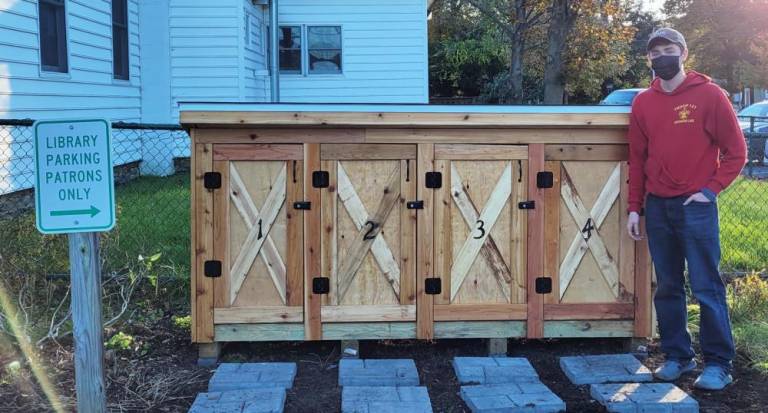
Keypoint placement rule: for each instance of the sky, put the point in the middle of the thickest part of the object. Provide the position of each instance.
(651, 5)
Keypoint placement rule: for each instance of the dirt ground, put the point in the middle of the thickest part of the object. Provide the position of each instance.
(163, 377)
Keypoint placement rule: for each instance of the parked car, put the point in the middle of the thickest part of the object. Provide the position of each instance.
(758, 111)
(622, 97)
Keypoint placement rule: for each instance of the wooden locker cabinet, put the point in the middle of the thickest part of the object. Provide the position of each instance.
(324, 222)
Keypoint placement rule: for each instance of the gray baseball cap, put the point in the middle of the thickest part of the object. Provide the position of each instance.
(667, 34)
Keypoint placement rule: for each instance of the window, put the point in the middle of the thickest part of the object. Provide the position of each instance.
(324, 44)
(53, 36)
(290, 49)
(120, 66)
(321, 54)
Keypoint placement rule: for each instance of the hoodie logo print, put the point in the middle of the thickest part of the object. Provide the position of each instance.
(684, 113)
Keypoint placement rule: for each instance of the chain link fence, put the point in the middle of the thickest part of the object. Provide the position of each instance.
(152, 195)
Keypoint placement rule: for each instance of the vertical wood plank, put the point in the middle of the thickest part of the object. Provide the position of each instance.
(193, 185)
(408, 180)
(519, 233)
(312, 246)
(443, 238)
(294, 261)
(203, 210)
(552, 232)
(626, 244)
(87, 327)
(328, 236)
(221, 235)
(535, 326)
(425, 328)
(643, 268)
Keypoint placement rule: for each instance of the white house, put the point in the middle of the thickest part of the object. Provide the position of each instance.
(134, 60)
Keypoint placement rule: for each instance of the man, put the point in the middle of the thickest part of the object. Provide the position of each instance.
(685, 147)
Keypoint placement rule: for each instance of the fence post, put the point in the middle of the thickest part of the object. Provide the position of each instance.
(86, 317)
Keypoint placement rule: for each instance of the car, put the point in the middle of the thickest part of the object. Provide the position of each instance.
(623, 97)
(758, 112)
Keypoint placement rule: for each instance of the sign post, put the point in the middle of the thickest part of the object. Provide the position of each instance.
(74, 194)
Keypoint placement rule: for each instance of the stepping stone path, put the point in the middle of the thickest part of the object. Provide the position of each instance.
(246, 388)
(609, 368)
(504, 385)
(644, 397)
(631, 394)
(381, 386)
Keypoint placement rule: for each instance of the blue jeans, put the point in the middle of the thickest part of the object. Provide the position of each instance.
(678, 233)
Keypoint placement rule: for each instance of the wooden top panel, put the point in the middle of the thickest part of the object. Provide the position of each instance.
(239, 115)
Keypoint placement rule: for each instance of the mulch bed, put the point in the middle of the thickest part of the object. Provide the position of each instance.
(166, 379)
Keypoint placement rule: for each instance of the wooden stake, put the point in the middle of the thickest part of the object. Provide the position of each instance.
(86, 317)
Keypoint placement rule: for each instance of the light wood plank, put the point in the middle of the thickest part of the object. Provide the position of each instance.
(443, 232)
(203, 210)
(579, 152)
(376, 244)
(592, 311)
(368, 313)
(595, 244)
(257, 237)
(312, 245)
(643, 292)
(294, 274)
(263, 314)
(496, 135)
(425, 240)
(480, 152)
(584, 329)
(535, 262)
(489, 250)
(260, 332)
(329, 233)
(257, 152)
(407, 233)
(479, 329)
(367, 151)
(480, 312)
(369, 331)
(626, 244)
(268, 135)
(552, 232)
(221, 235)
(403, 119)
(490, 213)
(518, 236)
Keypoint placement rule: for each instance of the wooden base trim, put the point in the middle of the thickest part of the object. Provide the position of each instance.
(600, 311)
(480, 312)
(479, 329)
(258, 315)
(588, 328)
(368, 313)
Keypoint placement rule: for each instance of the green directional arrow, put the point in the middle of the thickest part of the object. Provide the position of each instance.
(92, 212)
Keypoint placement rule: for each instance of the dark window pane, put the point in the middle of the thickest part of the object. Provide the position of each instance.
(290, 60)
(120, 66)
(290, 49)
(119, 11)
(324, 49)
(53, 41)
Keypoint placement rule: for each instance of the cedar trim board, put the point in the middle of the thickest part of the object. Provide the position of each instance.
(198, 114)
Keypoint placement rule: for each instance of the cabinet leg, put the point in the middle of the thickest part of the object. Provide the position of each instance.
(208, 354)
(497, 346)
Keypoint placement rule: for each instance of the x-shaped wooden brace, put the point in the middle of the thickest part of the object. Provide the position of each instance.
(475, 244)
(593, 242)
(369, 232)
(258, 241)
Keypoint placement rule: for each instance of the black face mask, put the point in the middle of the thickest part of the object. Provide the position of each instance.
(666, 67)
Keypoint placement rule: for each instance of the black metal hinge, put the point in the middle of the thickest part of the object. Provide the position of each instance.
(527, 205)
(321, 179)
(433, 286)
(543, 285)
(414, 204)
(545, 179)
(212, 180)
(212, 268)
(433, 180)
(302, 205)
(321, 285)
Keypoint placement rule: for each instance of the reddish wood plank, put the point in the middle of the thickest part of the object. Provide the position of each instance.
(312, 242)
(425, 328)
(535, 324)
(203, 247)
(552, 232)
(643, 295)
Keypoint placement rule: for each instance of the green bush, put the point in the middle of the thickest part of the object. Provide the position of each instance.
(119, 342)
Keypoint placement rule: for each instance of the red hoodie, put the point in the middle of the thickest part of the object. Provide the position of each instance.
(676, 140)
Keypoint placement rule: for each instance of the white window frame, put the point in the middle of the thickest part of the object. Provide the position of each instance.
(304, 58)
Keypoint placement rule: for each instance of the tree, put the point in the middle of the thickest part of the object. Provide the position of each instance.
(563, 16)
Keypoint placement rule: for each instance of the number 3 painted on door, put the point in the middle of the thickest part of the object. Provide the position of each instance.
(480, 226)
